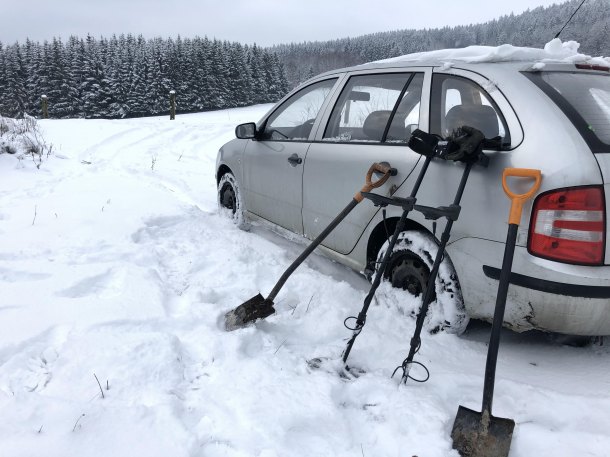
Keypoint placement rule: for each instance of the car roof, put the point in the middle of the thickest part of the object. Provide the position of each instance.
(489, 70)
(433, 63)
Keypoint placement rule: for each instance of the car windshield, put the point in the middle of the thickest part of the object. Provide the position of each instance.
(589, 95)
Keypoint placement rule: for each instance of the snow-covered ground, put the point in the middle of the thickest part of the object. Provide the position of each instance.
(115, 264)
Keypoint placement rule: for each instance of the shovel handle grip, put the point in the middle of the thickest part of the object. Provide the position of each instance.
(369, 185)
(517, 200)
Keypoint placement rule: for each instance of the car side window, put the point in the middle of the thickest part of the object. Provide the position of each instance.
(376, 108)
(293, 120)
(457, 101)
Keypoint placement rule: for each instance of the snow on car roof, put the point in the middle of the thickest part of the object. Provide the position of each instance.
(554, 51)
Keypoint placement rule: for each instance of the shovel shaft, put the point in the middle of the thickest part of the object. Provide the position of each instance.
(314, 244)
(494, 339)
(369, 184)
(481, 434)
(517, 201)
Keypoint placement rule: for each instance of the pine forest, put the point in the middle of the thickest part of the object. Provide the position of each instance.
(128, 76)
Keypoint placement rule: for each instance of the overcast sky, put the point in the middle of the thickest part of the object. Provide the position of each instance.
(265, 22)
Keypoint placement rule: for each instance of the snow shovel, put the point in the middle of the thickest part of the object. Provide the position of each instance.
(477, 434)
(259, 307)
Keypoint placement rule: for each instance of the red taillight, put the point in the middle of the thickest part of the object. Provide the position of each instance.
(569, 225)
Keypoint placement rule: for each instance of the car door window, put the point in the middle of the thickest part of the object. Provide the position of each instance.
(457, 101)
(369, 103)
(293, 120)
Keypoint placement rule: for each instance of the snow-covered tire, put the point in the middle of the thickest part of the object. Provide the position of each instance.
(409, 268)
(230, 202)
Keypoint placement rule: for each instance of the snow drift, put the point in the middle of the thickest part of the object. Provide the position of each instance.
(553, 51)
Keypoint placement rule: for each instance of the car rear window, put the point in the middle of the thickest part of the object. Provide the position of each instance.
(585, 98)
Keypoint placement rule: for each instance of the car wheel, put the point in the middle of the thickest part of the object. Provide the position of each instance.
(409, 270)
(230, 201)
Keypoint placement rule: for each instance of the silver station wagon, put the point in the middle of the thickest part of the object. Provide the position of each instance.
(301, 164)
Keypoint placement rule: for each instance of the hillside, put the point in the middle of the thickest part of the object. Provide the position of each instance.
(590, 27)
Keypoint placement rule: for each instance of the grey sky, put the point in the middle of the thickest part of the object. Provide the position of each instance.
(265, 22)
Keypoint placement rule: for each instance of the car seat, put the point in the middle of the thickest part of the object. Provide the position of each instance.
(481, 117)
(375, 124)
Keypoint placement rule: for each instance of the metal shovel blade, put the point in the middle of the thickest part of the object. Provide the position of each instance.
(258, 307)
(477, 434)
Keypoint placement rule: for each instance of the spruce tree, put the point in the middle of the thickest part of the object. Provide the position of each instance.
(15, 82)
(4, 101)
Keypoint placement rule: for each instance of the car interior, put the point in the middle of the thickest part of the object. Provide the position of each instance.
(361, 123)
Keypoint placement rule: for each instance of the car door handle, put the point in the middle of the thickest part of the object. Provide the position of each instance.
(295, 160)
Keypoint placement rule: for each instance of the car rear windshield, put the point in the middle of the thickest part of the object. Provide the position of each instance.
(585, 98)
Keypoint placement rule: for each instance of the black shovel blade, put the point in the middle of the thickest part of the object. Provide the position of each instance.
(477, 434)
(258, 307)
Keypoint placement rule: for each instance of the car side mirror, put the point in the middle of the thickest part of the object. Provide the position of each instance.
(246, 131)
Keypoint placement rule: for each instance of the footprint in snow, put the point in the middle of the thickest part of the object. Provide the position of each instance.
(107, 284)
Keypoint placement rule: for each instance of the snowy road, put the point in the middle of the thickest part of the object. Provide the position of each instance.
(115, 264)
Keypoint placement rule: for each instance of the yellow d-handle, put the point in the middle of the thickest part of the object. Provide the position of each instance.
(517, 200)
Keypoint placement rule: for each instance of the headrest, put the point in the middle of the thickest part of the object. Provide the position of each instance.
(481, 117)
(375, 124)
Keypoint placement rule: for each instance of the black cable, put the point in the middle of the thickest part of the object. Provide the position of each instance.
(564, 26)
(408, 174)
(385, 226)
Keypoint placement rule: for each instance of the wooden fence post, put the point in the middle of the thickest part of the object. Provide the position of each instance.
(45, 106)
(172, 105)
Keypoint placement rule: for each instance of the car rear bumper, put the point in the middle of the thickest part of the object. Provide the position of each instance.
(560, 307)
(551, 287)
(543, 295)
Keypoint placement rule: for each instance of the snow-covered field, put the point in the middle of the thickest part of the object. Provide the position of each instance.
(115, 264)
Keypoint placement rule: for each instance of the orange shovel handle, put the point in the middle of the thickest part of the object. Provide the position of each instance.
(517, 200)
(369, 183)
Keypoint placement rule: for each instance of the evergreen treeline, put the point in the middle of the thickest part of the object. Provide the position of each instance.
(131, 76)
(590, 27)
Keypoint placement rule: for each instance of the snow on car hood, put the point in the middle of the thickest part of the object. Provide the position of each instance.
(554, 51)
